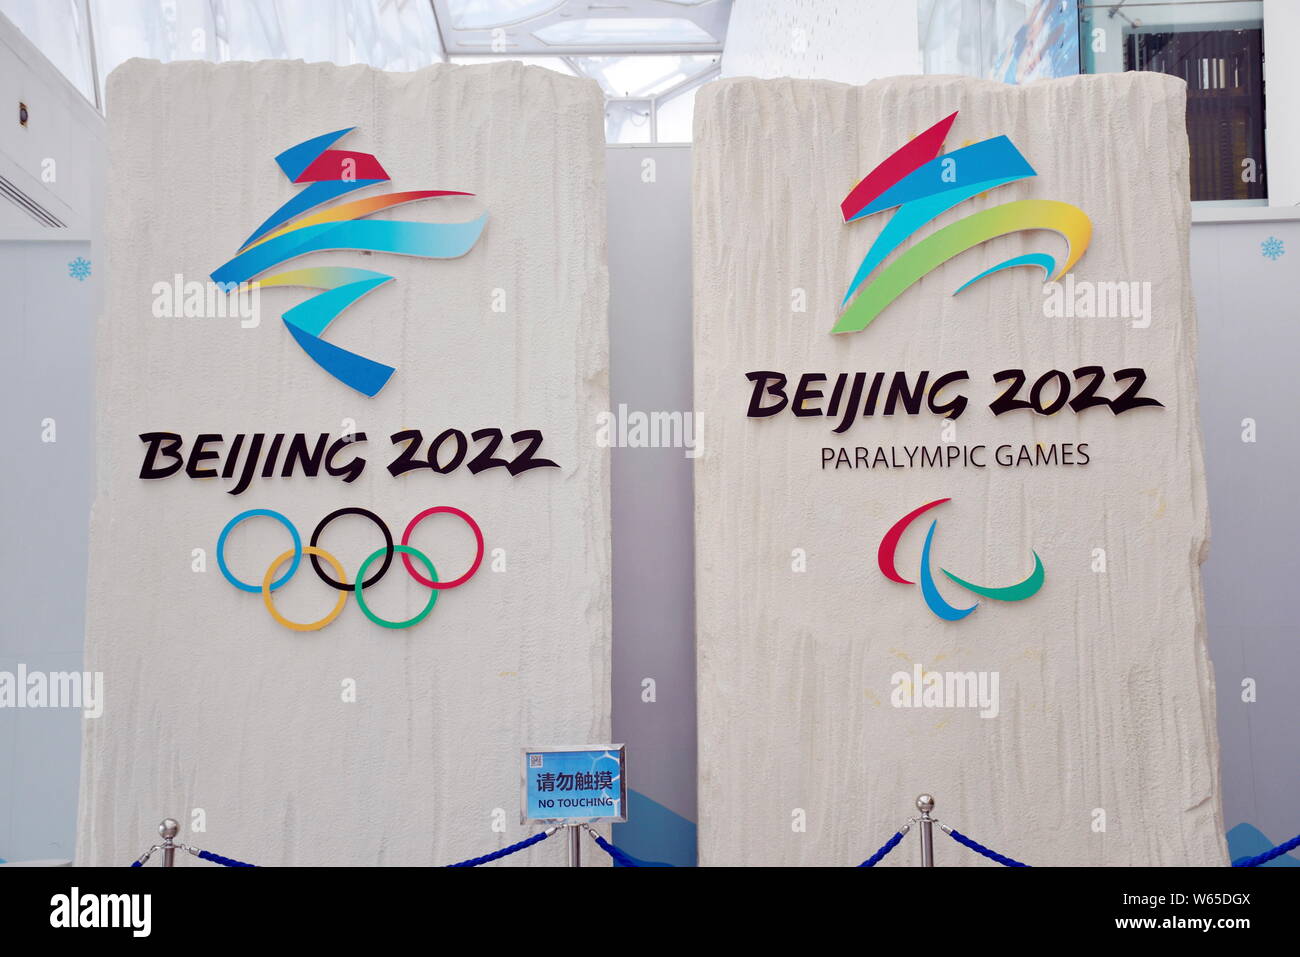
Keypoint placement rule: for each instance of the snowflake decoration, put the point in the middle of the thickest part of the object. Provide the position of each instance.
(79, 269)
(1272, 248)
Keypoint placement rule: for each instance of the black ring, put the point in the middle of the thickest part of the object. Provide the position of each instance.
(388, 545)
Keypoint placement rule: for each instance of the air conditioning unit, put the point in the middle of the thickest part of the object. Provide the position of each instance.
(27, 204)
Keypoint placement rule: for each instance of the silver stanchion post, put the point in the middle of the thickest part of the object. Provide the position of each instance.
(575, 845)
(925, 804)
(169, 828)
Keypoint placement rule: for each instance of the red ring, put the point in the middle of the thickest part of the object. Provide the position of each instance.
(478, 536)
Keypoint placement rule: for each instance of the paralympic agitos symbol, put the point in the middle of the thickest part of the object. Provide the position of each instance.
(329, 174)
(923, 185)
(935, 601)
(294, 555)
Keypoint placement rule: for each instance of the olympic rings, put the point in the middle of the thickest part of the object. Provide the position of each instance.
(478, 557)
(388, 547)
(433, 595)
(221, 548)
(340, 582)
(293, 625)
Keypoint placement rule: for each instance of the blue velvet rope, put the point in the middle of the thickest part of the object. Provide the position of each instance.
(205, 855)
(623, 858)
(981, 849)
(223, 861)
(1267, 856)
(504, 852)
(888, 846)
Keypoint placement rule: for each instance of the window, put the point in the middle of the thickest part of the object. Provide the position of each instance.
(1217, 47)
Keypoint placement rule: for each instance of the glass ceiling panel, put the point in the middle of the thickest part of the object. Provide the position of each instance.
(58, 29)
(642, 75)
(484, 14)
(624, 31)
(386, 34)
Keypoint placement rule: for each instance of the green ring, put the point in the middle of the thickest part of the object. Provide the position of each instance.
(433, 593)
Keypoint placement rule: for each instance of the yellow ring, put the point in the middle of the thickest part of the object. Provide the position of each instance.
(270, 605)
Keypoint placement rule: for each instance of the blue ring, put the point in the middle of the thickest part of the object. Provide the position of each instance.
(221, 549)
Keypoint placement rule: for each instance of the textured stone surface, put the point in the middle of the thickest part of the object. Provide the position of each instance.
(212, 705)
(1106, 688)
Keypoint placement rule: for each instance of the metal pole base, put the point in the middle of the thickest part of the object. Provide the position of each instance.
(575, 845)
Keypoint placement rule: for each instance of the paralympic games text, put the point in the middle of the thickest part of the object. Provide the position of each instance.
(446, 452)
